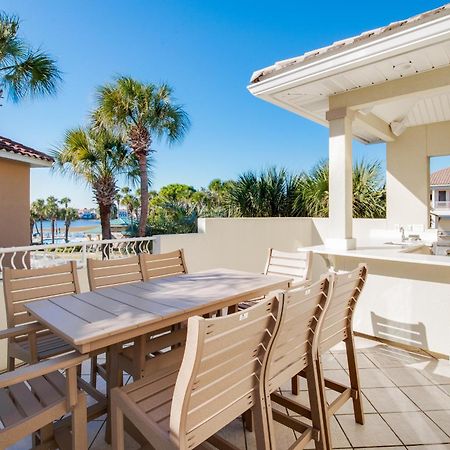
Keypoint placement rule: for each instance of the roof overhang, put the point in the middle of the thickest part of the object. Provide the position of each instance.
(416, 54)
(31, 161)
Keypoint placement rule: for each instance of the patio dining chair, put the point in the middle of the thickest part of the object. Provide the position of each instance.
(26, 285)
(113, 272)
(337, 327)
(292, 351)
(105, 274)
(163, 264)
(220, 377)
(33, 397)
(294, 265)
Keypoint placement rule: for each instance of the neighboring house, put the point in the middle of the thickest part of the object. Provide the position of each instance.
(440, 199)
(440, 191)
(15, 162)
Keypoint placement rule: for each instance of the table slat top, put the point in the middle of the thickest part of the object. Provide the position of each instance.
(87, 317)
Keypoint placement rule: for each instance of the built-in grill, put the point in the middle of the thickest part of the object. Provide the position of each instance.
(442, 245)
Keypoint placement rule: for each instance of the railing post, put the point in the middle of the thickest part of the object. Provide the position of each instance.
(83, 255)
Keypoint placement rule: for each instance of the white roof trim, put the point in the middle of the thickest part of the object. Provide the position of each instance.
(30, 160)
(404, 40)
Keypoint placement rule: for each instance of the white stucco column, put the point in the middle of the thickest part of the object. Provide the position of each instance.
(341, 186)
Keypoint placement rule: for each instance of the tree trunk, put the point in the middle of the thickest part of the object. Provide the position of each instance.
(144, 193)
(42, 233)
(53, 231)
(31, 231)
(67, 224)
(105, 213)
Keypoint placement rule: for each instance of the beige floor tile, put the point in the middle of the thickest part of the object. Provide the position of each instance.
(284, 436)
(340, 376)
(389, 400)
(406, 376)
(347, 408)
(415, 428)
(441, 418)
(396, 447)
(445, 388)
(100, 444)
(374, 433)
(428, 398)
(386, 356)
(234, 433)
(338, 437)
(329, 362)
(371, 378)
(438, 371)
(363, 361)
(429, 447)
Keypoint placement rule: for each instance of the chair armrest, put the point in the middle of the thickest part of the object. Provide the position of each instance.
(42, 368)
(299, 284)
(20, 330)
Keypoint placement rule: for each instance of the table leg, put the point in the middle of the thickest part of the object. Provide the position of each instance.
(114, 379)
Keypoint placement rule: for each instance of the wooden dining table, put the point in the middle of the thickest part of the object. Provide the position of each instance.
(106, 318)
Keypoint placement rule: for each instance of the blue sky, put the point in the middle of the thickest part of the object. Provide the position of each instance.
(207, 51)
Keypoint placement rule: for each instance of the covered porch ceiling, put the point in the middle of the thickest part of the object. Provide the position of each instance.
(392, 78)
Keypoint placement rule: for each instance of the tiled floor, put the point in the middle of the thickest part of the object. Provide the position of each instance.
(406, 399)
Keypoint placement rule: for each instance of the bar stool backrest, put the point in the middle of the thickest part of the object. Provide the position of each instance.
(296, 265)
(163, 264)
(337, 322)
(26, 285)
(220, 376)
(291, 349)
(113, 272)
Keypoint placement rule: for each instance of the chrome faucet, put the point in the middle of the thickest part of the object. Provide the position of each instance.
(402, 231)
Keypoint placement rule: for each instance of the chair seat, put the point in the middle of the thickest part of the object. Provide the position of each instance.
(153, 395)
(23, 400)
(48, 345)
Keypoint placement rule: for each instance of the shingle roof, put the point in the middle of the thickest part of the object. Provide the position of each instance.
(349, 42)
(20, 149)
(440, 177)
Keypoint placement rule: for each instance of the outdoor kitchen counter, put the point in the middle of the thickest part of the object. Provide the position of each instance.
(386, 252)
(407, 295)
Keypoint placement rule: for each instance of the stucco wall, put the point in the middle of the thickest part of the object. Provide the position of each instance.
(407, 178)
(14, 203)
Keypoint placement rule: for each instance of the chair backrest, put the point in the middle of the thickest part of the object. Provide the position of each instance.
(296, 265)
(337, 321)
(298, 329)
(113, 272)
(220, 376)
(26, 285)
(162, 264)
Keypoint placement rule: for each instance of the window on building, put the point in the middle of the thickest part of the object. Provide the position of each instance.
(442, 196)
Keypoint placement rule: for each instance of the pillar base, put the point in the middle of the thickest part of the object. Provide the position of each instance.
(341, 244)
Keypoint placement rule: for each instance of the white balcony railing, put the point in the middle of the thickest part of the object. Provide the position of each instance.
(47, 255)
(442, 204)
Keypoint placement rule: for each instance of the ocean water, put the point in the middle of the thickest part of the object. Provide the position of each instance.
(47, 225)
(74, 236)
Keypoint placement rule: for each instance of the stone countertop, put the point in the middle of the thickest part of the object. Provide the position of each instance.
(404, 253)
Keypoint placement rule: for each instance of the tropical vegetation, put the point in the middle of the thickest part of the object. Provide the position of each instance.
(24, 71)
(140, 113)
(52, 210)
(98, 158)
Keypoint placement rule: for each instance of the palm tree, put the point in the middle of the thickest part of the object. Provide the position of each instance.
(141, 112)
(52, 212)
(369, 193)
(23, 71)
(98, 158)
(38, 209)
(271, 193)
(70, 214)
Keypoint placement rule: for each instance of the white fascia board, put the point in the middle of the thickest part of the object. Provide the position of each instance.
(31, 161)
(410, 39)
